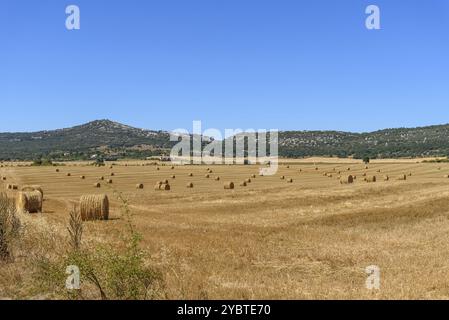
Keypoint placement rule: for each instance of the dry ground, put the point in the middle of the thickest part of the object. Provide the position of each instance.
(308, 239)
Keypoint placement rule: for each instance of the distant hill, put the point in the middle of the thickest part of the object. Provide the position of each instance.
(112, 139)
(100, 136)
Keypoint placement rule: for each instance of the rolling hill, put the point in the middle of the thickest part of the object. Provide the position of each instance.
(112, 139)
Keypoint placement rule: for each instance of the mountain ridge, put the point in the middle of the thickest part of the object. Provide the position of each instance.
(110, 138)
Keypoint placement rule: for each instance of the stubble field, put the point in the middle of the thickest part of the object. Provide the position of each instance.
(310, 239)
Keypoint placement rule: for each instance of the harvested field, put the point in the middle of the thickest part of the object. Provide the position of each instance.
(270, 239)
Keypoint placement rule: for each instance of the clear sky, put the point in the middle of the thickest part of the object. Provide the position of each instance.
(284, 64)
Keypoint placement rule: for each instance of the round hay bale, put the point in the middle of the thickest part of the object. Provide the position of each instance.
(97, 185)
(378, 170)
(402, 177)
(173, 177)
(207, 176)
(112, 174)
(139, 186)
(243, 184)
(386, 178)
(164, 186)
(288, 167)
(157, 168)
(190, 174)
(189, 185)
(248, 180)
(94, 207)
(290, 180)
(4, 178)
(253, 176)
(165, 181)
(29, 188)
(13, 187)
(347, 179)
(409, 174)
(446, 176)
(229, 185)
(110, 167)
(57, 170)
(172, 167)
(29, 201)
(349, 169)
(109, 181)
(370, 179)
(82, 177)
(282, 177)
(217, 178)
(68, 174)
(364, 174)
(101, 178)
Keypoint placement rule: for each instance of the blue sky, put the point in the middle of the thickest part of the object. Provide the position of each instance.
(283, 64)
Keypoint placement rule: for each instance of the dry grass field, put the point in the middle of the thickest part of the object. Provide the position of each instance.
(309, 239)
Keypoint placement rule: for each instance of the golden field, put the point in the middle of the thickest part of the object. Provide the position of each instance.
(310, 239)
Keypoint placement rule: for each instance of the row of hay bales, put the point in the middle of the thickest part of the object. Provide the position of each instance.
(369, 178)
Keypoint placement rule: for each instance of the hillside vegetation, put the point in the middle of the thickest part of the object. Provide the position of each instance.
(106, 138)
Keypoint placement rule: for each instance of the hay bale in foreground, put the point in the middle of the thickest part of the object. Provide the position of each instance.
(347, 179)
(139, 186)
(94, 207)
(229, 185)
(33, 188)
(29, 201)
